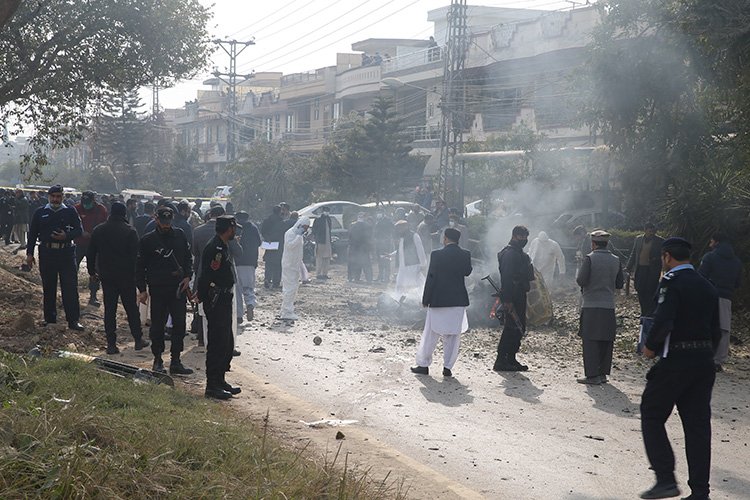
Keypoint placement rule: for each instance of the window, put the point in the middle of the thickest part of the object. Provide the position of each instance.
(316, 109)
(289, 123)
(431, 110)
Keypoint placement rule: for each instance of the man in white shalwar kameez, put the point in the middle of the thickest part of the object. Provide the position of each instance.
(446, 299)
(291, 267)
(412, 260)
(545, 253)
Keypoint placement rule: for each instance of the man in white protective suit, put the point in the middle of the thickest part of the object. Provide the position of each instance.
(545, 254)
(291, 266)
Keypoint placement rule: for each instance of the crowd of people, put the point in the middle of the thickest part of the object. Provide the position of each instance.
(172, 255)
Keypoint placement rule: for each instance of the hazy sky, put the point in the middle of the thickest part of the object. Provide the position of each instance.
(300, 35)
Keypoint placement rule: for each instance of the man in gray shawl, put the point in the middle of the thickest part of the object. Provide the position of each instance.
(600, 274)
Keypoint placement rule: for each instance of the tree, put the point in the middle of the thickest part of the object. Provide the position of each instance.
(369, 158)
(269, 173)
(58, 54)
(122, 134)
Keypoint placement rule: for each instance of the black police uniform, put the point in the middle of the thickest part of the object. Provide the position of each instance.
(164, 260)
(687, 320)
(57, 258)
(7, 213)
(216, 291)
(516, 275)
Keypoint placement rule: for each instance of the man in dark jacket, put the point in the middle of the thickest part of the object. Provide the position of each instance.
(321, 231)
(645, 260)
(245, 264)
(360, 246)
(446, 298)
(7, 211)
(92, 214)
(111, 259)
(272, 230)
(142, 220)
(21, 218)
(165, 264)
(722, 268)
(516, 275)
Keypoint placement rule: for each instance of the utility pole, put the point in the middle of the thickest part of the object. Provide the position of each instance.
(453, 107)
(233, 48)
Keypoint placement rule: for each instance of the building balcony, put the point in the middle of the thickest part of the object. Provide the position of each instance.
(431, 56)
(357, 81)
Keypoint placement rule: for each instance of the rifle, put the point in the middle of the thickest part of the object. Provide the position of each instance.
(512, 312)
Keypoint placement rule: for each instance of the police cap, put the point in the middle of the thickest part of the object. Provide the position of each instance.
(225, 222)
(57, 188)
(600, 236)
(675, 242)
(242, 217)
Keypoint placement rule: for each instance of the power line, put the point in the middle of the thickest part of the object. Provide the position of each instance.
(263, 18)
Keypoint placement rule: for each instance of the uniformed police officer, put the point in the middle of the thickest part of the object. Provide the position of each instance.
(165, 265)
(56, 225)
(216, 291)
(684, 334)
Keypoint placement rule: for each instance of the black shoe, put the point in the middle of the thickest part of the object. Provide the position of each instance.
(76, 326)
(662, 490)
(112, 349)
(590, 380)
(158, 366)
(250, 313)
(140, 344)
(50, 323)
(420, 370)
(447, 372)
(94, 302)
(217, 393)
(179, 369)
(236, 353)
(230, 388)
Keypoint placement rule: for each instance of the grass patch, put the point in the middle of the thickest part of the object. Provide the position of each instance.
(70, 431)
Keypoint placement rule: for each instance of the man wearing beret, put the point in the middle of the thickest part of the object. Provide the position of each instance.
(165, 264)
(600, 274)
(216, 292)
(684, 334)
(56, 226)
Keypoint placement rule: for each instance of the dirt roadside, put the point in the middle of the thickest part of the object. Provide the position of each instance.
(481, 434)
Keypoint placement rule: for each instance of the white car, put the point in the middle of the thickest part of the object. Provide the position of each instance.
(221, 195)
(140, 194)
(474, 208)
(343, 211)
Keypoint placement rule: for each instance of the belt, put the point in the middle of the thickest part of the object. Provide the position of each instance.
(691, 345)
(57, 245)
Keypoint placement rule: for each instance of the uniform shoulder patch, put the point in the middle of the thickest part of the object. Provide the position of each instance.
(668, 276)
(662, 294)
(216, 262)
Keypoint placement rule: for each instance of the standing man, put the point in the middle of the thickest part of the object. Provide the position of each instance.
(321, 231)
(722, 268)
(645, 260)
(111, 259)
(201, 236)
(546, 254)
(21, 218)
(92, 214)
(7, 210)
(360, 246)
(142, 220)
(246, 263)
(132, 209)
(165, 265)
(412, 261)
(446, 298)
(516, 275)
(272, 231)
(599, 276)
(424, 230)
(291, 265)
(383, 235)
(684, 334)
(216, 291)
(56, 226)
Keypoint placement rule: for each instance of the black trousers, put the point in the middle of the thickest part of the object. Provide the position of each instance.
(384, 269)
(81, 252)
(510, 339)
(646, 285)
(164, 302)
(115, 290)
(54, 263)
(220, 339)
(684, 379)
(6, 229)
(358, 264)
(597, 357)
(273, 268)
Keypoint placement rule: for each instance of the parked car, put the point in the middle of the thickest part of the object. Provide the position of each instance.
(393, 205)
(343, 211)
(140, 194)
(222, 195)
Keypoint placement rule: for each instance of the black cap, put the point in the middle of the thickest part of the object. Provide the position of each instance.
(225, 222)
(242, 216)
(676, 241)
(164, 213)
(57, 188)
(216, 211)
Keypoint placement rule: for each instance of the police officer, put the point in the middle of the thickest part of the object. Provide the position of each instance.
(516, 274)
(215, 290)
(55, 226)
(684, 334)
(165, 264)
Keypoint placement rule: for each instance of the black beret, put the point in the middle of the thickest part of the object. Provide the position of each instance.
(676, 241)
(242, 216)
(57, 188)
(224, 222)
